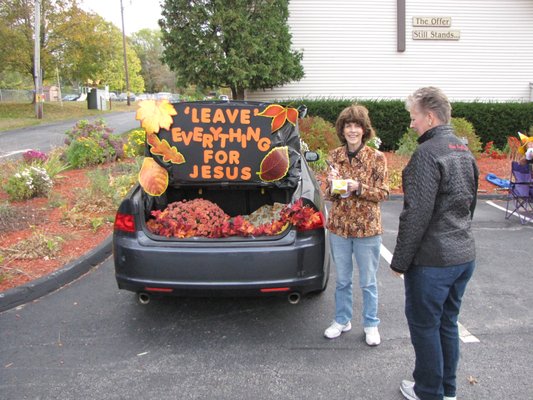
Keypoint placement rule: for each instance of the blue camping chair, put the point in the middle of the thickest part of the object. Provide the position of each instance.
(520, 195)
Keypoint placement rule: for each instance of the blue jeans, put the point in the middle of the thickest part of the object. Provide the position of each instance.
(432, 302)
(366, 251)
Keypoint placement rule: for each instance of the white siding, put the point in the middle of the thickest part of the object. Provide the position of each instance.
(349, 49)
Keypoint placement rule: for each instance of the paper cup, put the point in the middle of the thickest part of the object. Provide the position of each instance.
(340, 186)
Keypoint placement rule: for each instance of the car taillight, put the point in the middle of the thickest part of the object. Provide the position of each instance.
(124, 222)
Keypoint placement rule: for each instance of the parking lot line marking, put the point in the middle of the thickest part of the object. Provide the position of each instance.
(518, 215)
(386, 254)
(464, 334)
(14, 152)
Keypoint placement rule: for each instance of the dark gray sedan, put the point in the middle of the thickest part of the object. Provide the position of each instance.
(291, 261)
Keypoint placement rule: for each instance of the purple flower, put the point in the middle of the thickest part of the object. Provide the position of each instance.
(33, 155)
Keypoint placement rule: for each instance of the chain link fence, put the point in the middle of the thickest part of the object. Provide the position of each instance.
(16, 96)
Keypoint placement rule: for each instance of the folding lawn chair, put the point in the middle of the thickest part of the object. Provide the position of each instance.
(520, 195)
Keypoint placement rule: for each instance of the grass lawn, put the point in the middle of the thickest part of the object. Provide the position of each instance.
(19, 115)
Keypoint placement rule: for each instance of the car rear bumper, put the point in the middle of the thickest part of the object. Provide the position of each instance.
(299, 262)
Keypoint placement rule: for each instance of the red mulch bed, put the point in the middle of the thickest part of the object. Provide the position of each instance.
(499, 167)
(37, 215)
(78, 241)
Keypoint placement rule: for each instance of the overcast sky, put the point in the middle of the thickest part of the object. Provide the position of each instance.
(138, 14)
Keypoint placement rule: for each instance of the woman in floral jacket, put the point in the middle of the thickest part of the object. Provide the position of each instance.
(355, 220)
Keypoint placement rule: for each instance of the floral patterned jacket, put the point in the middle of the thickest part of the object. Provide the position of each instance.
(358, 215)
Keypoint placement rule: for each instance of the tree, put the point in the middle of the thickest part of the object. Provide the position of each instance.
(239, 44)
(90, 43)
(149, 48)
(94, 53)
(81, 45)
(114, 74)
(17, 30)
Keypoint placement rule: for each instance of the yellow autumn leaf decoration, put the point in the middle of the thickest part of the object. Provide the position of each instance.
(279, 115)
(524, 140)
(155, 115)
(162, 148)
(153, 177)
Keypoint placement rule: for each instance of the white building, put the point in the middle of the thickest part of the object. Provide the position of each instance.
(385, 49)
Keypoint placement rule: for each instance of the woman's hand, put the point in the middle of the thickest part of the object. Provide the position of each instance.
(353, 185)
(397, 274)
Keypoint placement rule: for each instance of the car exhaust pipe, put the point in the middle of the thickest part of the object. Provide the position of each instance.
(294, 298)
(143, 297)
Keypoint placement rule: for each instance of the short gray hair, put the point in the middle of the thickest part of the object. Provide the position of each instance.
(431, 99)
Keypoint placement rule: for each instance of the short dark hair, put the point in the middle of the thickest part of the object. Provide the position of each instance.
(357, 114)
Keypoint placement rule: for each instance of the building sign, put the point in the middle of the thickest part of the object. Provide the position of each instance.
(441, 22)
(433, 28)
(436, 34)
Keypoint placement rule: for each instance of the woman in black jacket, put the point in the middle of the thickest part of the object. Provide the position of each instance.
(435, 249)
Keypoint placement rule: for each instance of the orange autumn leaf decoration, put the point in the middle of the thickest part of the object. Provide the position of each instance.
(163, 148)
(279, 115)
(153, 177)
(155, 115)
(274, 165)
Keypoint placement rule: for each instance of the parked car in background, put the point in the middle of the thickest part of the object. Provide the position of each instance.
(70, 97)
(283, 256)
(163, 95)
(145, 96)
(124, 97)
(171, 97)
(113, 96)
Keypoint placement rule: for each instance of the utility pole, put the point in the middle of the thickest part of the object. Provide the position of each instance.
(125, 58)
(37, 62)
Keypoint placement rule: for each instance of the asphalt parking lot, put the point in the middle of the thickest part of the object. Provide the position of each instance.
(90, 340)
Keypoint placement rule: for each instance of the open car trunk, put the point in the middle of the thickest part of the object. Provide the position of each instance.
(237, 157)
(233, 201)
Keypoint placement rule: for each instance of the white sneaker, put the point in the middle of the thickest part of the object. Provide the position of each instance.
(449, 398)
(372, 336)
(336, 329)
(408, 390)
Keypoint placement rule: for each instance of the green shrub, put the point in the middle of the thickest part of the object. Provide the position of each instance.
(111, 146)
(465, 129)
(27, 183)
(407, 143)
(318, 133)
(135, 143)
(54, 164)
(319, 165)
(84, 151)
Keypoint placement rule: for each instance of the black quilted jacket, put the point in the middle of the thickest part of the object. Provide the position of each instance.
(440, 186)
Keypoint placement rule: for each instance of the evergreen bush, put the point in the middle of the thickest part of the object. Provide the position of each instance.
(491, 121)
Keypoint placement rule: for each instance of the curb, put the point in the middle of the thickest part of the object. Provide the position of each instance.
(49, 283)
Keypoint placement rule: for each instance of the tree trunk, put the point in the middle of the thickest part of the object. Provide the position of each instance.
(237, 93)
